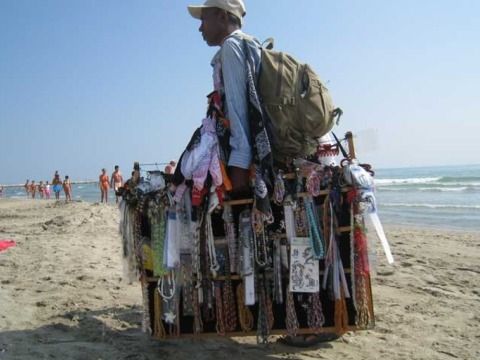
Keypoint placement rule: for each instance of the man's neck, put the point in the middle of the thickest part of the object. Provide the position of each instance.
(230, 30)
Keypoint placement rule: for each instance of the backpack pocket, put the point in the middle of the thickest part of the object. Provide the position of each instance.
(315, 106)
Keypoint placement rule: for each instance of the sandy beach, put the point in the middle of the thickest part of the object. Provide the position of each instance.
(63, 295)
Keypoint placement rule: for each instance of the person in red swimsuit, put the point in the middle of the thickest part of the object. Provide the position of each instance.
(104, 185)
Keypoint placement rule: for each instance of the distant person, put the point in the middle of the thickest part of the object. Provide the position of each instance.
(104, 185)
(27, 187)
(67, 188)
(41, 189)
(116, 181)
(170, 168)
(1, 190)
(47, 191)
(33, 189)
(57, 185)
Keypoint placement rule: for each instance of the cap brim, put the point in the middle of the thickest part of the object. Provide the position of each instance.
(196, 11)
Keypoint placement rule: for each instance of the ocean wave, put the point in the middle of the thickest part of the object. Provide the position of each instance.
(432, 206)
(399, 181)
(468, 189)
(461, 179)
(430, 181)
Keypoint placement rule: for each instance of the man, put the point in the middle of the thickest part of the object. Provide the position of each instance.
(116, 181)
(221, 22)
(57, 185)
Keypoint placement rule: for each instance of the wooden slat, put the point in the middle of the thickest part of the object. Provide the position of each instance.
(273, 332)
(238, 277)
(302, 194)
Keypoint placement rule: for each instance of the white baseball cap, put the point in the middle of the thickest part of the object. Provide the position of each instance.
(235, 7)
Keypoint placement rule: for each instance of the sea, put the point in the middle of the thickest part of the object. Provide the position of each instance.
(446, 197)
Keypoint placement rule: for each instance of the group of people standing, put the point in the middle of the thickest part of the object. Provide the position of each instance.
(105, 183)
(44, 189)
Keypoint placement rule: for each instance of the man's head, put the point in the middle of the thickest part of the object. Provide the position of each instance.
(116, 167)
(219, 19)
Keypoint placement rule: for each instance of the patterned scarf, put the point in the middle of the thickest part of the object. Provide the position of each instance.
(261, 148)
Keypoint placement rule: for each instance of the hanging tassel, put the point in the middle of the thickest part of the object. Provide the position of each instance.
(315, 317)
(291, 320)
(245, 317)
(263, 329)
(158, 328)
(229, 300)
(363, 316)
(220, 326)
(232, 242)
(197, 317)
(341, 315)
(146, 309)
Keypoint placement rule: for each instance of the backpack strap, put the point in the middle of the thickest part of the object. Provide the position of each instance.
(268, 43)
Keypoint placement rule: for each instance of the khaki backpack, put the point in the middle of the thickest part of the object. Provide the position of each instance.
(297, 103)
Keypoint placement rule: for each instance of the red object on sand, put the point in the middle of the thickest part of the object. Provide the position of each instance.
(5, 244)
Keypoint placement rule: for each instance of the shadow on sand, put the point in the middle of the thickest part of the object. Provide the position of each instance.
(115, 333)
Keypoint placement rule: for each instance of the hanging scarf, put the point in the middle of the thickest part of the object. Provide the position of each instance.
(261, 148)
(156, 216)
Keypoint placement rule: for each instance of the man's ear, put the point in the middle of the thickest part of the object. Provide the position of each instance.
(223, 16)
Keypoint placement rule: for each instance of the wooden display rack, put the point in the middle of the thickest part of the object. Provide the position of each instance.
(279, 311)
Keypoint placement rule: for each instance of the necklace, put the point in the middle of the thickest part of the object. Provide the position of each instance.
(259, 239)
(291, 320)
(212, 255)
(232, 244)
(315, 237)
(279, 189)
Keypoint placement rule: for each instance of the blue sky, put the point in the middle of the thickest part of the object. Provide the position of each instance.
(89, 84)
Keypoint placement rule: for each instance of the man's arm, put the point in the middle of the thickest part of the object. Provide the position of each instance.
(235, 83)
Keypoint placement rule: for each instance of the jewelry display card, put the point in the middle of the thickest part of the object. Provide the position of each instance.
(304, 268)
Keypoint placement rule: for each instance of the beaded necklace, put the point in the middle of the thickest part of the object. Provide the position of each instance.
(232, 243)
(315, 317)
(229, 300)
(245, 317)
(301, 228)
(247, 262)
(187, 284)
(220, 326)
(314, 232)
(263, 328)
(291, 320)
(277, 271)
(279, 188)
(212, 255)
(259, 239)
